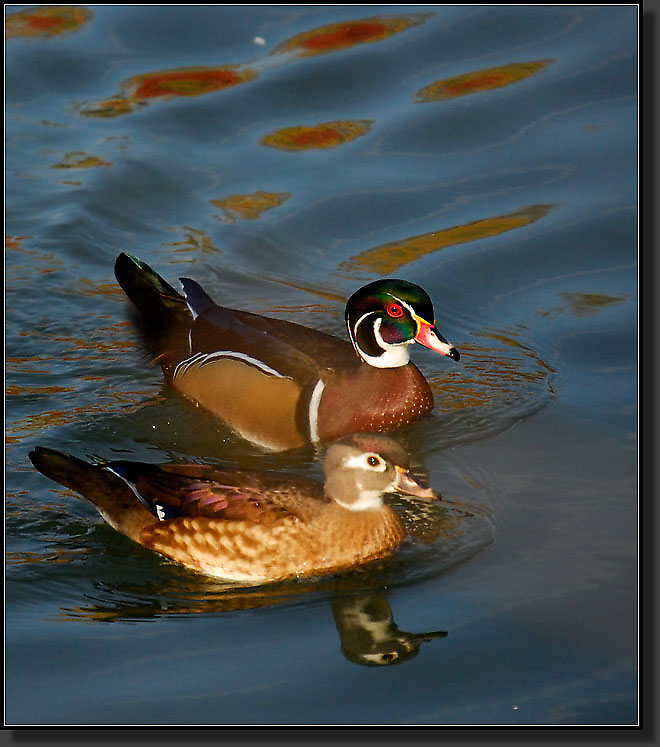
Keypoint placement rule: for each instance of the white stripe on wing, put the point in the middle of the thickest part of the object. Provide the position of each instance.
(202, 359)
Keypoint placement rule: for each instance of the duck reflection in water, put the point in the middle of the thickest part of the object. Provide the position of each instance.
(369, 634)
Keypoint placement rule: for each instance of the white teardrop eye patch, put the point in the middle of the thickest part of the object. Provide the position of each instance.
(371, 462)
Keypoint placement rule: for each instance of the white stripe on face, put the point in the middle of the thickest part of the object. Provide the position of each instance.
(394, 355)
(359, 461)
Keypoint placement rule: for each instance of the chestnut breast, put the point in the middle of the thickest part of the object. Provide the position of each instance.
(366, 398)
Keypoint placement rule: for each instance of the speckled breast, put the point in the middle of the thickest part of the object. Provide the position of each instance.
(373, 399)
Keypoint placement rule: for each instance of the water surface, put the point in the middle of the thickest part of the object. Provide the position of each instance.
(283, 156)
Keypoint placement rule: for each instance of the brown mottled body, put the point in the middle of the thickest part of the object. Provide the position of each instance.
(252, 526)
(289, 547)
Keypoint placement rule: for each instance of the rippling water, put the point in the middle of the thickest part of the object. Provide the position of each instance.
(283, 156)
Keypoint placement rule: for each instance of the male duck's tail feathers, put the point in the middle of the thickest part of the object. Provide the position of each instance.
(152, 294)
(110, 494)
(164, 318)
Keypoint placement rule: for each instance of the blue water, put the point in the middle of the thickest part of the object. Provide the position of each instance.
(511, 197)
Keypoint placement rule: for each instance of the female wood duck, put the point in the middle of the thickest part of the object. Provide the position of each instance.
(252, 526)
(279, 384)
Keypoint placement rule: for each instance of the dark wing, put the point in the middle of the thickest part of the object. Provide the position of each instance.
(292, 350)
(174, 491)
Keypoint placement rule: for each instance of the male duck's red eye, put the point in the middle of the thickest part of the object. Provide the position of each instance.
(394, 310)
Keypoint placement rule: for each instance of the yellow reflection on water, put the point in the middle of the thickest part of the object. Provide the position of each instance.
(313, 289)
(480, 80)
(583, 304)
(389, 257)
(250, 206)
(195, 240)
(80, 160)
(113, 107)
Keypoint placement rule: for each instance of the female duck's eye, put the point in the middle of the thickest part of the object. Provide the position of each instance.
(394, 310)
(373, 461)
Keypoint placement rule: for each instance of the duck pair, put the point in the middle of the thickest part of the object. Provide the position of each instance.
(279, 385)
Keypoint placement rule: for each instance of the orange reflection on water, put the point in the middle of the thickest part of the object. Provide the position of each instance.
(480, 80)
(251, 206)
(196, 81)
(166, 84)
(17, 391)
(81, 343)
(25, 364)
(346, 34)
(389, 257)
(22, 263)
(56, 555)
(46, 20)
(14, 242)
(327, 135)
(109, 401)
(108, 290)
(189, 81)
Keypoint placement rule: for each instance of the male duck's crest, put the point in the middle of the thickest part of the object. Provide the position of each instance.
(279, 384)
(251, 525)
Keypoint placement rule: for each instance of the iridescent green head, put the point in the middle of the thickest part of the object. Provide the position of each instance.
(385, 316)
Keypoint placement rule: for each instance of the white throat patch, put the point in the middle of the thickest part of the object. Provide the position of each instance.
(393, 356)
(367, 500)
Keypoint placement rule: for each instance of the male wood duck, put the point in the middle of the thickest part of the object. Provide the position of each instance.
(252, 526)
(281, 385)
